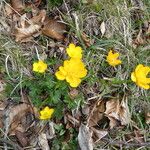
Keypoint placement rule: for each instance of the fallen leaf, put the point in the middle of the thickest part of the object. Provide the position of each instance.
(113, 122)
(16, 114)
(97, 113)
(29, 28)
(18, 5)
(86, 40)
(23, 140)
(99, 134)
(8, 10)
(117, 111)
(51, 131)
(54, 29)
(85, 138)
(124, 113)
(103, 28)
(39, 18)
(43, 141)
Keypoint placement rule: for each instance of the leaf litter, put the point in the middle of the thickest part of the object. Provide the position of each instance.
(101, 117)
(26, 26)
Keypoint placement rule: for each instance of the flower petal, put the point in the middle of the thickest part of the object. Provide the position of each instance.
(74, 82)
(146, 70)
(133, 77)
(145, 86)
(71, 46)
(59, 75)
(138, 68)
(46, 113)
(35, 67)
(112, 58)
(62, 70)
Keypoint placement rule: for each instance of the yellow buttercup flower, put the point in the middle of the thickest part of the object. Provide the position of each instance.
(39, 66)
(46, 113)
(74, 51)
(72, 71)
(112, 58)
(139, 76)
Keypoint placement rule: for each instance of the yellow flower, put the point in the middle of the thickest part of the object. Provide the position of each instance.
(112, 58)
(72, 71)
(74, 51)
(46, 113)
(39, 66)
(139, 76)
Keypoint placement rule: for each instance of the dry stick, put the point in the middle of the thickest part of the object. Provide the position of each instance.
(15, 146)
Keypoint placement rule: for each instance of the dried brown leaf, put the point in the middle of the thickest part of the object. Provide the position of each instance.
(86, 40)
(43, 142)
(23, 140)
(85, 138)
(29, 28)
(54, 29)
(97, 113)
(16, 114)
(8, 10)
(113, 122)
(18, 5)
(117, 111)
(99, 134)
(125, 116)
(39, 18)
(51, 130)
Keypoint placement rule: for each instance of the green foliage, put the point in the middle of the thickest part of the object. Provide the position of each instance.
(52, 3)
(46, 90)
(63, 143)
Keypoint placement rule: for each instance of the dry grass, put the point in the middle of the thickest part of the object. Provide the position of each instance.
(123, 20)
